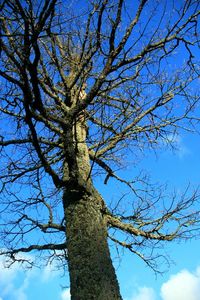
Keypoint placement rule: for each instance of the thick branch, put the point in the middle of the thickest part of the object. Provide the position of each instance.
(35, 247)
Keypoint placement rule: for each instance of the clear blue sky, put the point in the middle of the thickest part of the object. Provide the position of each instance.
(181, 282)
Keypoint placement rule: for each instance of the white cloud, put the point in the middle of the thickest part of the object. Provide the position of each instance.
(144, 293)
(65, 295)
(16, 283)
(7, 279)
(6, 274)
(19, 294)
(181, 149)
(182, 286)
(48, 273)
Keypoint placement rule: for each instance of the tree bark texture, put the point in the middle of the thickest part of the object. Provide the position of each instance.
(92, 275)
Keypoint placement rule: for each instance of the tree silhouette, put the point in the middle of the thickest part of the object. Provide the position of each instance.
(85, 87)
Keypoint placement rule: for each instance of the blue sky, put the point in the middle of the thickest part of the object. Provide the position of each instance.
(180, 282)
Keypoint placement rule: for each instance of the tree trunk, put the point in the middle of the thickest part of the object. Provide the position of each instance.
(92, 275)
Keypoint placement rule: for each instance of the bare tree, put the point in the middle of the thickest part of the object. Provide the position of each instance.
(84, 87)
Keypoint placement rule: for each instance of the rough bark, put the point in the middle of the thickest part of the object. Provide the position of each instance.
(92, 275)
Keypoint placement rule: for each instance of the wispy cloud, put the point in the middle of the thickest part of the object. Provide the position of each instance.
(181, 150)
(65, 295)
(7, 282)
(49, 272)
(144, 293)
(15, 283)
